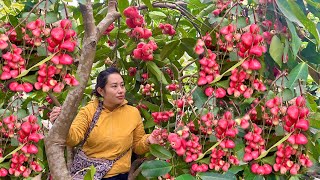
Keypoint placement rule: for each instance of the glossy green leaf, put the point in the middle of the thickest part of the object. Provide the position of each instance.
(276, 50)
(169, 48)
(287, 12)
(307, 23)
(296, 41)
(90, 173)
(155, 168)
(185, 177)
(299, 72)
(216, 176)
(199, 97)
(154, 69)
(160, 152)
(36, 65)
(157, 15)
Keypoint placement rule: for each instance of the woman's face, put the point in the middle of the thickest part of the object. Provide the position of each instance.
(114, 92)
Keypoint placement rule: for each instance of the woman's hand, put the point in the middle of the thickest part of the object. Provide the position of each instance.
(152, 139)
(54, 113)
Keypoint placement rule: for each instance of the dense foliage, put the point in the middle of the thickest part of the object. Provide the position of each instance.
(231, 87)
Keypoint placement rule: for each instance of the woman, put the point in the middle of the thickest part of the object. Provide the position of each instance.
(118, 129)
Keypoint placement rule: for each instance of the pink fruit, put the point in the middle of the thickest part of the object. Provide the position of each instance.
(65, 24)
(65, 59)
(209, 91)
(246, 39)
(27, 87)
(26, 127)
(301, 139)
(293, 112)
(57, 34)
(302, 124)
(68, 46)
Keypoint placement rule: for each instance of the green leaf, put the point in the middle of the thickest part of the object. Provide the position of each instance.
(148, 4)
(7, 3)
(158, 15)
(185, 177)
(90, 173)
(169, 48)
(32, 16)
(276, 50)
(307, 23)
(216, 176)
(235, 169)
(41, 51)
(30, 79)
(25, 72)
(286, 94)
(299, 72)
(122, 4)
(296, 41)
(275, 145)
(157, 72)
(310, 54)
(279, 131)
(155, 168)
(5, 165)
(285, 9)
(314, 119)
(51, 17)
(229, 70)
(160, 151)
(187, 45)
(269, 160)
(199, 97)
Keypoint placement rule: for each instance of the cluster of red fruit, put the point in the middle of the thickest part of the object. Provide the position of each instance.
(164, 116)
(221, 5)
(290, 160)
(209, 69)
(144, 51)
(147, 89)
(255, 144)
(222, 160)
(37, 29)
(22, 162)
(226, 129)
(62, 40)
(161, 135)
(172, 87)
(13, 64)
(274, 107)
(167, 29)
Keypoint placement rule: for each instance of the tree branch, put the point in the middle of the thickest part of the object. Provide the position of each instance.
(109, 19)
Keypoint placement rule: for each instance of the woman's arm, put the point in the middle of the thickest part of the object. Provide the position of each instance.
(79, 127)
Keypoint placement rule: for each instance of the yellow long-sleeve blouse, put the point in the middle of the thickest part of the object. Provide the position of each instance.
(115, 132)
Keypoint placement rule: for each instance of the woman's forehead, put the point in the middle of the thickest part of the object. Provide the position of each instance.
(115, 78)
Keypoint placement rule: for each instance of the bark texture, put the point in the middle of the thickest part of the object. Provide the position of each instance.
(55, 140)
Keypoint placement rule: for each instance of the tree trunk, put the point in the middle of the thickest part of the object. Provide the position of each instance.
(55, 140)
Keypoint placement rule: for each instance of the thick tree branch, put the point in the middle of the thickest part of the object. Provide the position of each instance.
(55, 141)
(109, 19)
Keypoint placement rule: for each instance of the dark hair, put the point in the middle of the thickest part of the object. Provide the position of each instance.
(102, 79)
